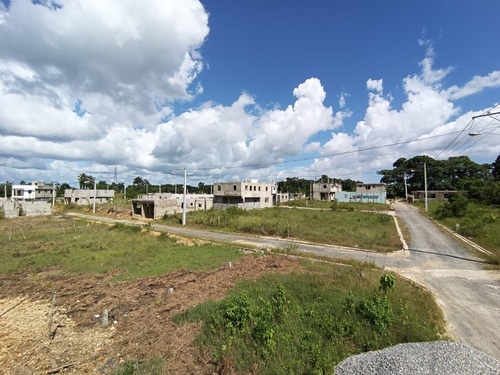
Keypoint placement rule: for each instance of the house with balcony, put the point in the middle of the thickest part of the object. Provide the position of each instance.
(247, 195)
(36, 191)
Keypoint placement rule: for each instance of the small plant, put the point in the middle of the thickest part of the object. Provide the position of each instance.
(387, 282)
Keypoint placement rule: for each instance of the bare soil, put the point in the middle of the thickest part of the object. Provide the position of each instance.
(140, 318)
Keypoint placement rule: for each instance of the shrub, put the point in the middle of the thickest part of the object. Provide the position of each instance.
(455, 207)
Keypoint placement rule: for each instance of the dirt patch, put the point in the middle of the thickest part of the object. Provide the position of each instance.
(139, 312)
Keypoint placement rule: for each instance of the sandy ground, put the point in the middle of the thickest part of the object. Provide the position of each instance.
(140, 318)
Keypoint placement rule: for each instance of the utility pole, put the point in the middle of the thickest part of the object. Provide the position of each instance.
(95, 196)
(184, 201)
(406, 187)
(425, 184)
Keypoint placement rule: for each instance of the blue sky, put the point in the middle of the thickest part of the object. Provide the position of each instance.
(234, 90)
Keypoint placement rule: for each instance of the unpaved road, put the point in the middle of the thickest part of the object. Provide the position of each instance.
(468, 294)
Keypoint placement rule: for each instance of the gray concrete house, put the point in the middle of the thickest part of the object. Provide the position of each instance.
(247, 195)
(85, 197)
(153, 206)
(324, 191)
(432, 195)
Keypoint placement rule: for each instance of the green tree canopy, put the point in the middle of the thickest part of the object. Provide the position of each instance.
(456, 173)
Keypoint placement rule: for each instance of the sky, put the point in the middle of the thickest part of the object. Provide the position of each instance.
(243, 89)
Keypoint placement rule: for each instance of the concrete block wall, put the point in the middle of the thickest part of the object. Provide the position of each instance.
(36, 208)
(9, 207)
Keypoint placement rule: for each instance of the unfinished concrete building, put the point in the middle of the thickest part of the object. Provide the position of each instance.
(154, 206)
(247, 195)
(324, 191)
(36, 191)
(86, 197)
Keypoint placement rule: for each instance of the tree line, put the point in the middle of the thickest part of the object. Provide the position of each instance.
(457, 173)
(479, 181)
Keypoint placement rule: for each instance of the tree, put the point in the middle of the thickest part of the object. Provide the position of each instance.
(6, 187)
(456, 173)
(138, 181)
(61, 188)
(496, 169)
(86, 181)
(82, 179)
(349, 185)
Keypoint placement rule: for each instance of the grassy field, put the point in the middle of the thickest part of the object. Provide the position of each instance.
(481, 224)
(31, 243)
(293, 323)
(352, 206)
(307, 323)
(344, 228)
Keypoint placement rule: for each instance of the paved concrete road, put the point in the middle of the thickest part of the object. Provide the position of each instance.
(468, 295)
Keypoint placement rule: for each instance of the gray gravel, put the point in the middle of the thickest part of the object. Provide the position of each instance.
(435, 357)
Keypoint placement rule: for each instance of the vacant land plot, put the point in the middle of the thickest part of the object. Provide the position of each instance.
(142, 279)
(366, 230)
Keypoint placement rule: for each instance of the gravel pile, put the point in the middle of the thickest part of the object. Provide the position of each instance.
(435, 357)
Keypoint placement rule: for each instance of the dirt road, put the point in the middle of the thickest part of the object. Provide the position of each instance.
(468, 294)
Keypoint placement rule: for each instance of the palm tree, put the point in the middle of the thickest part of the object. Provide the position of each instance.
(82, 180)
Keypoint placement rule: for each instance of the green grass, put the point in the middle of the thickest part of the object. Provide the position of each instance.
(307, 323)
(344, 228)
(98, 248)
(481, 224)
(294, 323)
(152, 367)
(357, 206)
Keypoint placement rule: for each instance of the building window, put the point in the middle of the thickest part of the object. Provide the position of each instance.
(234, 187)
(199, 205)
(218, 187)
(259, 188)
(324, 186)
(246, 188)
(266, 188)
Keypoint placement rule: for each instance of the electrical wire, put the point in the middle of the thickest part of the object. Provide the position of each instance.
(463, 139)
(270, 163)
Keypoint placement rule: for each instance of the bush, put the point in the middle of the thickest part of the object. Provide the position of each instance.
(455, 207)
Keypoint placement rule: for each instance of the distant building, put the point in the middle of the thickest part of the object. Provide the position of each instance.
(86, 197)
(324, 191)
(153, 206)
(366, 193)
(247, 194)
(36, 191)
(432, 195)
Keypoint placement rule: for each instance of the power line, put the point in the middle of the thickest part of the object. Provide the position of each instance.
(269, 163)
(463, 138)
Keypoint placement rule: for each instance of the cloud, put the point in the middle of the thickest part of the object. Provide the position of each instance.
(217, 135)
(427, 111)
(475, 85)
(375, 85)
(121, 59)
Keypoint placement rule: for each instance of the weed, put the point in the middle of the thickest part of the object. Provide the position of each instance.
(307, 323)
